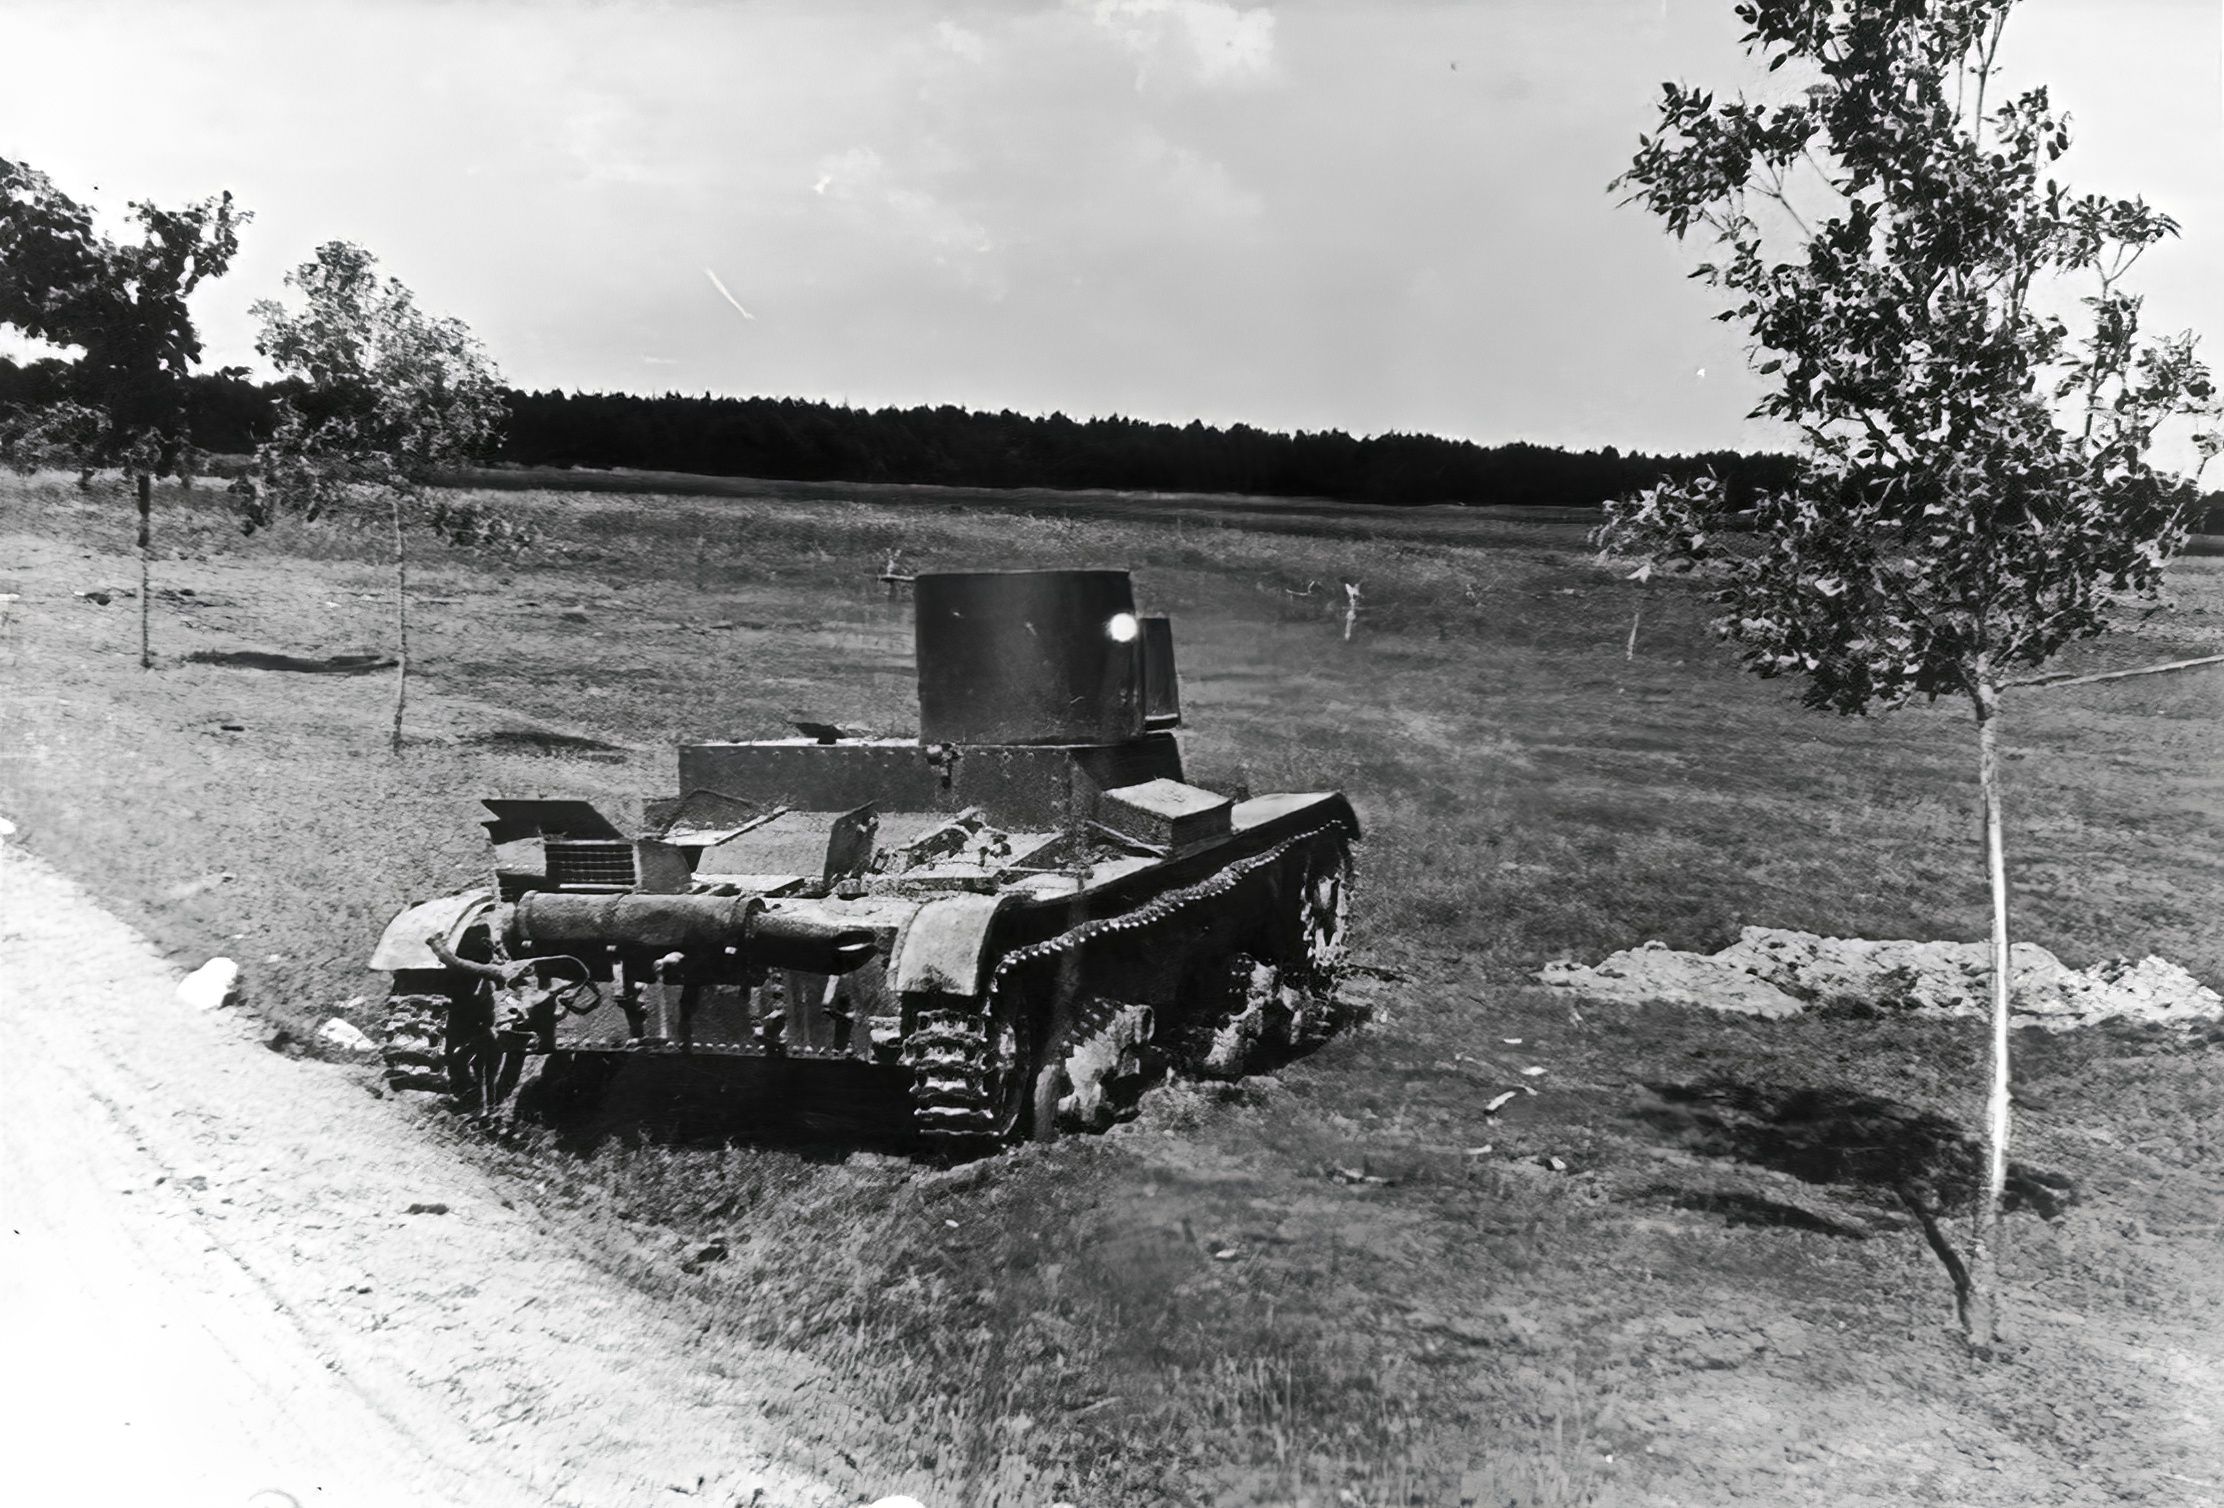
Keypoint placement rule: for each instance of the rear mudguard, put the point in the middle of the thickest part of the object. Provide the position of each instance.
(403, 946)
(944, 947)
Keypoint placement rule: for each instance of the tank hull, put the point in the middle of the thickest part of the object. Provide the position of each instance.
(1004, 926)
(974, 1016)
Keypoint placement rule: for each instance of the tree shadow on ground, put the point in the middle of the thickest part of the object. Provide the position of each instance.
(1843, 1140)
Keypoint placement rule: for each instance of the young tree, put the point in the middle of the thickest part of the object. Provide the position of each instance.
(124, 306)
(1976, 490)
(389, 395)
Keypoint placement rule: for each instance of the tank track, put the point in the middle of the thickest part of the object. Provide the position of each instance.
(1166, 907)
(948, 1051)
(416, 1045)
(948, 1055)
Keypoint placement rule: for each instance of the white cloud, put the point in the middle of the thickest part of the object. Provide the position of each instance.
(931, 222)
(845, 175)
(861, 182)
(968, 45)
(1212, 42)
(609, 140)
(1207, 189)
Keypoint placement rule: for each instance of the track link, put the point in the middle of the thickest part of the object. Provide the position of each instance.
(416, 1046)
(948, 1053)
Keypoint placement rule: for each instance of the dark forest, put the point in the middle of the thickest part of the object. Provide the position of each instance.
(788, 439)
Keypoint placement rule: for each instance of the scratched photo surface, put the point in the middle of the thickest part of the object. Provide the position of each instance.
(911, 754)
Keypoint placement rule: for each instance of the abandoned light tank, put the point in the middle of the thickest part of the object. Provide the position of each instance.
(1002, 924)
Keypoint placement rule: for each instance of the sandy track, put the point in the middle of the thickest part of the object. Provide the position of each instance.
(211, 1288)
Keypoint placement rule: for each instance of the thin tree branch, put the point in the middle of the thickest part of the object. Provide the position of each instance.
(2113, 675)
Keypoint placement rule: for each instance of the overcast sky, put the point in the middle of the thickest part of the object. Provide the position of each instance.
(1370, 215)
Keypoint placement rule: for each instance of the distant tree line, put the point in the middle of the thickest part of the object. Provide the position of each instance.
(793, 440)
(225, 412)
(949, 446)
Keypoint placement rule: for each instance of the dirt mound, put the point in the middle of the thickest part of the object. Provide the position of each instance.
(1772, 972)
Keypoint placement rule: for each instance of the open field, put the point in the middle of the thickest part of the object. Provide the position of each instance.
(1441, 523)
(1311, 1284)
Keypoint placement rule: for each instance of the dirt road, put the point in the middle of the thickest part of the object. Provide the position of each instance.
(213, 1291)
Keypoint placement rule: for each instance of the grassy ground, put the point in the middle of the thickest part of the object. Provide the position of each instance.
(1349, 1277)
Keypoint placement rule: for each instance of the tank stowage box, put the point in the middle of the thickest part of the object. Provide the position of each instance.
(1009, 923)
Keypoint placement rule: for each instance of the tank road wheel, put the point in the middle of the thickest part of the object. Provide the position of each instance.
(1089, 1082)
(973, 1079)
(1251, 1009)
(1307, 1022)
(1051, 1086)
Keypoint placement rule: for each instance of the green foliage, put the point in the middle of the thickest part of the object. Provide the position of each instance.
(388, 395)
(61, 433)
(1976, 490)
(124, 306)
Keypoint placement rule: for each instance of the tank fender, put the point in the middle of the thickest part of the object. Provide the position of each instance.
(943, 947)
(1314, 806)
(403, 944)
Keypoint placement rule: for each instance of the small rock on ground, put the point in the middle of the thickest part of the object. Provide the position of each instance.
(210, 985)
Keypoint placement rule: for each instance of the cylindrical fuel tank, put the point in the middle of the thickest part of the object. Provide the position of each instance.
(1028, 657)
(543, 922)
(546, 919)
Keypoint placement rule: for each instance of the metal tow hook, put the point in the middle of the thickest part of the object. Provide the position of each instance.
(664, 996)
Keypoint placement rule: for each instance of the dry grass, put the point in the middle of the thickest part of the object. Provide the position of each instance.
(1203, 1306)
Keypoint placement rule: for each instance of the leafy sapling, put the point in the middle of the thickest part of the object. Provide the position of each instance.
(1948, 329)
(122, 404)
(387, 397)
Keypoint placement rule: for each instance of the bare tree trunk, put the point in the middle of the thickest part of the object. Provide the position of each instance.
(401, 623)
(146, 548)
(1984, 1258)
